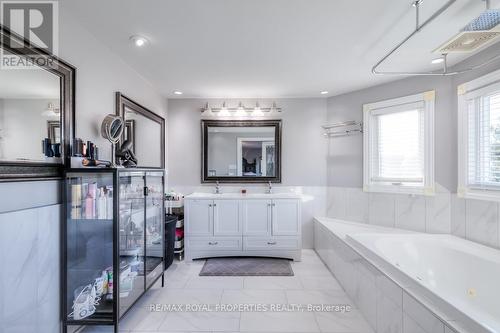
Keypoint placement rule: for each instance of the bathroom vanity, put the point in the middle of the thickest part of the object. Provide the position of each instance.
(233, 224)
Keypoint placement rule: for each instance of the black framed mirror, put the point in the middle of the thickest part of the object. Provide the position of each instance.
(241, 151)
(36, 111)
(144, 133)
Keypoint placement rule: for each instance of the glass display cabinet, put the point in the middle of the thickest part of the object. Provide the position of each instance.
(114, 242)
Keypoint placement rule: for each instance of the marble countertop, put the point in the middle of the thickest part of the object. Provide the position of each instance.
(200, 195)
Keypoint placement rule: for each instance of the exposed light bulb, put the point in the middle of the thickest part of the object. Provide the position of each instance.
(177, 92)
(324, 92)
(257, 107)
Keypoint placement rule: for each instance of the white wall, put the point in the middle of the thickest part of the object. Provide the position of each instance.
(303, 151)
(100, 73)
(23, 127)
(345, 154)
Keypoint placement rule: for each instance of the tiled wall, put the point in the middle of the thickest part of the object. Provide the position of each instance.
(29, 278)
(475, 220)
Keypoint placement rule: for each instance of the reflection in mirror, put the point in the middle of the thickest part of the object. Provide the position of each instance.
(30, 117)
(241, 151)
(145, 135)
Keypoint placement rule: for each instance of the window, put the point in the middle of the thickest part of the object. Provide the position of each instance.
(479, 138)
(399, 145)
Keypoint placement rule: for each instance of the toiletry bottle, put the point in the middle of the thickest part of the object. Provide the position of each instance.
(101, 205)
(89, 207)
(109, 204)
(76, 201)
(110, 283)
(93, 195)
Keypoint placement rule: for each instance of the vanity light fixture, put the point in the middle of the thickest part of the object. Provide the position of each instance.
(139, 41)
(257, 107)
(223, 111)
(51, 111)
(177, 92)
(324, 92)
(241, 107)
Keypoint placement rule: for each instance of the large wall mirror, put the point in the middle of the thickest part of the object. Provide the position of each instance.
(144, 132)
(36, 112)
(241, 151)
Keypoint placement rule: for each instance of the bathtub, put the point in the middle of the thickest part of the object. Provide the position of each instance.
(463, 275)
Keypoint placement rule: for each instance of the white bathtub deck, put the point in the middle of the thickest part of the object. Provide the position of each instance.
(402, 304)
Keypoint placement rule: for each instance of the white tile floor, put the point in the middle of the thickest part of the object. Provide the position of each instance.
(312, 284)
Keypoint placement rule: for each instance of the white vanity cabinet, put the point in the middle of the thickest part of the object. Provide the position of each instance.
(218, 225)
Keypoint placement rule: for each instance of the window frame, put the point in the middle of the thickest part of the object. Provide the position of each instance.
(369, 130)
(465, 92)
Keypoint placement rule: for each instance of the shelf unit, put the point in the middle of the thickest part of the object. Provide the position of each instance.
(113, 241)
(176, 207)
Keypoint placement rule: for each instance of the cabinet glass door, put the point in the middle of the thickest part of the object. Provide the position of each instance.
(154, 226)
(131, 234)
(89, 247)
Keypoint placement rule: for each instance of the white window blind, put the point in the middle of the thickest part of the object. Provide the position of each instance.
(399, 147)
(483, 115)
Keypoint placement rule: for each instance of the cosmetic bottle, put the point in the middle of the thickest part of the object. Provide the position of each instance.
(101, 205)
(89, 207)
(76, 201)
(109, 204)
(109, 296)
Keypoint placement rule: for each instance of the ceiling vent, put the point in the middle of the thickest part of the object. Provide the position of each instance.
(479, 32)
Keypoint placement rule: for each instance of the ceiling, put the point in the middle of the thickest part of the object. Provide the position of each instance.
(268, 48)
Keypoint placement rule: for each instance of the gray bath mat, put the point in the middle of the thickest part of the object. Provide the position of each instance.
(247, 267)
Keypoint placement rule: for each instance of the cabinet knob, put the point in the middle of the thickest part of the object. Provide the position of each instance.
(215, 205)
(209, 205)
(271, 243)
(213, 243)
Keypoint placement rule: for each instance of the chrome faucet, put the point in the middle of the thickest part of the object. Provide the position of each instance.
(217, 188)
(269, 188)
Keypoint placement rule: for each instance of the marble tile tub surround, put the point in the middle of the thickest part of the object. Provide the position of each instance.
(474, 220)
(29, 278)
(313, 200)
(388, 306)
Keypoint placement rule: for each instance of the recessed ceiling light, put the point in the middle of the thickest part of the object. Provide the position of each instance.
(177, 92)
(437, 61)
(139, 41)
(324, 92)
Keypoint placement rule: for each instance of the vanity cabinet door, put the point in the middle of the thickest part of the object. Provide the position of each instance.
(256, 217)
(199, 218)
(227, 218)
(285, 217)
